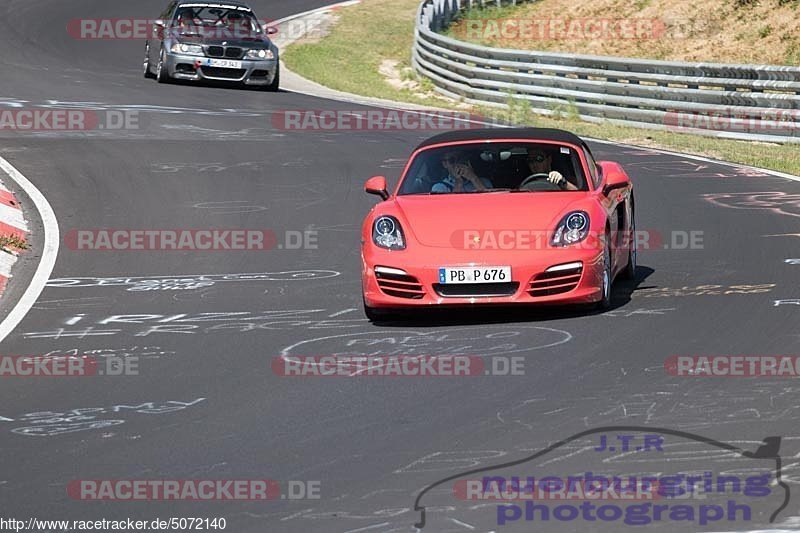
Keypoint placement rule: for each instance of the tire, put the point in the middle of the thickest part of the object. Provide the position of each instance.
(605, 301)
(148, 73)
(161, 73)
(630, 269)
(276, 82)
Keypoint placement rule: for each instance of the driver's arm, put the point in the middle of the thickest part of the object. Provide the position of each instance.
(556, 178)
(466, 172)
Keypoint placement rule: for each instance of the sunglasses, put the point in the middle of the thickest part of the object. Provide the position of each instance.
(538, 158)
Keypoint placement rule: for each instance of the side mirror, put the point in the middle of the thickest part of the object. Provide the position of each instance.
(270, 30)
(158, 29)
(614, 177)
(377, 185)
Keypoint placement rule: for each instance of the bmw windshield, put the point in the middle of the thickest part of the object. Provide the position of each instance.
(215, 22)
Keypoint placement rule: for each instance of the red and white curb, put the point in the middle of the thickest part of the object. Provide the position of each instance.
(11, 215)
(12, 222)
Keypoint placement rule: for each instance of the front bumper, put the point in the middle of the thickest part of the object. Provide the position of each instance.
(530, 283)
(253, 72)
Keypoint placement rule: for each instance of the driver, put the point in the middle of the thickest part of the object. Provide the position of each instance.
(461, 176)
(540, 162)
(185, 17)
(236, 21)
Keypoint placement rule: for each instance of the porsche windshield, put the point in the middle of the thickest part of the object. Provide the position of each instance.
(522, 167)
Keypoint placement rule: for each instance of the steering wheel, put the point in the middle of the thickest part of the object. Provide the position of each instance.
(538, 182)
(534, 177)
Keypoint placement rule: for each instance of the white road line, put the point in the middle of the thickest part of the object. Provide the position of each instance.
(49, 250)
(697, 158)
(314, 11)
(434, 113)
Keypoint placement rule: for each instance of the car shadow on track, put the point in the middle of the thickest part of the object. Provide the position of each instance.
(225, 85)
(422, 318)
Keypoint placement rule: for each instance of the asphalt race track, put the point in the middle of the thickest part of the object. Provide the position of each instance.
(206, 403)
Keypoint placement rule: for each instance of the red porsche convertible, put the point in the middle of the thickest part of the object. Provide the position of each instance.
(498, 217)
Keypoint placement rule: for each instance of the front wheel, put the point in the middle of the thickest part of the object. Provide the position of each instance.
(162, 76)
(630, 268)
(146, 64)
(605, 301)
(276, 81)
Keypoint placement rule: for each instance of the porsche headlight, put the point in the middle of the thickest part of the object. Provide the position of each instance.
(187, 49)
(259, 54)
(573, 228)
(386, 233)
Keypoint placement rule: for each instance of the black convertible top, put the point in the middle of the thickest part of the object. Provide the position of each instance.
(488, 134)
(211, 3)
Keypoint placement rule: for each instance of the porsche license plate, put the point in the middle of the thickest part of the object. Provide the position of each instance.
(498, 274)
(224, 63)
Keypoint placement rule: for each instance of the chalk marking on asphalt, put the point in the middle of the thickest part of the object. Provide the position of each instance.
(374, 526)
(460, 523)
(49, 250)
(339, 313)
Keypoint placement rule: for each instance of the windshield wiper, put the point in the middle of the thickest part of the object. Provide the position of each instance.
(482, 191)
(452, 192)
(536, 190)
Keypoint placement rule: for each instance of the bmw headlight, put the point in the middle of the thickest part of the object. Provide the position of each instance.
(187, 49)
(386, 233)
(259, 54)
(573, 228)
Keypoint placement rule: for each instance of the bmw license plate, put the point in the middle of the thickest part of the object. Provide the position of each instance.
(498, 274)
(224, 63)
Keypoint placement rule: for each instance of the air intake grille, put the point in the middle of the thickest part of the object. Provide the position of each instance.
(561, 281)
(400, 285)
(226, 73)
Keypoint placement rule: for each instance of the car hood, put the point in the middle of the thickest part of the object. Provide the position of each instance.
(243, 42)
(440, 220)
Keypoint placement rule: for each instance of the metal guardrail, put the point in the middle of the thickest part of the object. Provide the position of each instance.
(746, 102)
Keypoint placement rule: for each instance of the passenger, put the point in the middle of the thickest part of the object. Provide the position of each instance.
(461, 177)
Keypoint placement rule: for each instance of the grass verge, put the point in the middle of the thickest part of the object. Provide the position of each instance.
(722, 31)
